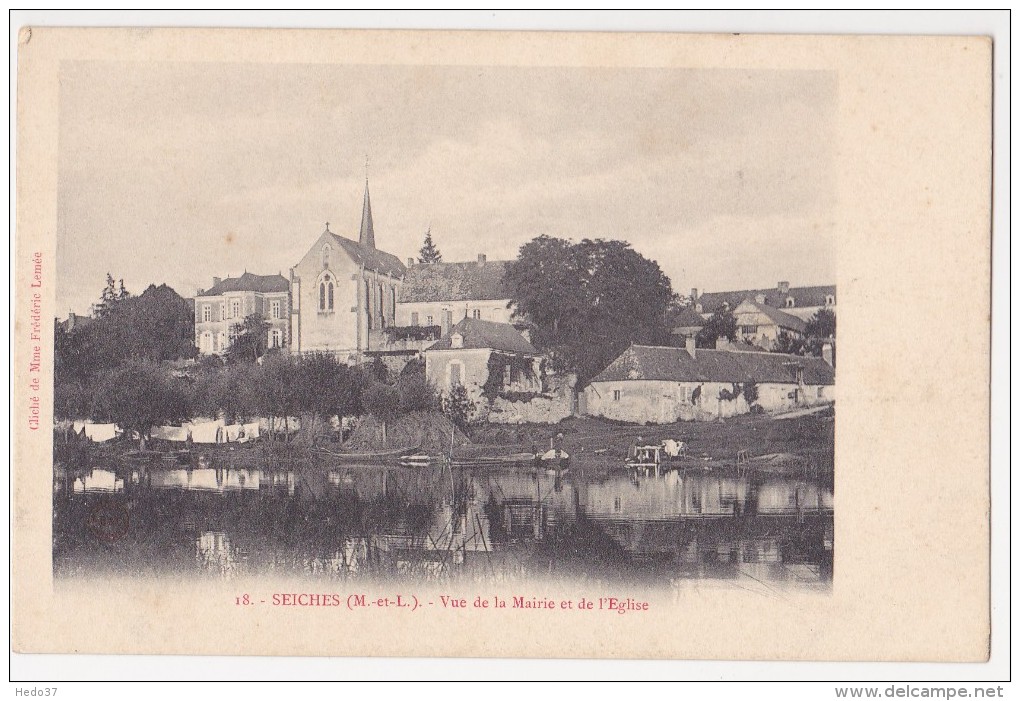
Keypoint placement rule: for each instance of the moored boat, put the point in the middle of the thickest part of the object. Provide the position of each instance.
(381, 456)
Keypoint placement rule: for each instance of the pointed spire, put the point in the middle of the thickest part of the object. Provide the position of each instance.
(367, 237)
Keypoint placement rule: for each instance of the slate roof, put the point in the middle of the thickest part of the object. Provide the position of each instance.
(455, 282)
(371, 258)
(802, 297)
(689, 318)
(487, 334)
(778, 316)
(677, 365)
(249, 282)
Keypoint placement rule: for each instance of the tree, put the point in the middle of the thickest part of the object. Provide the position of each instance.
(822, 325)
(722, 324)
(789, 344)
(429, 253)
(588, 301)
(139, 395)
(458, 406)
(108, 298)
(250, 339)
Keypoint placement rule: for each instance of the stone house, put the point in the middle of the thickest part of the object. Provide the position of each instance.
(801, 302)
(658, 384)
(761, 325)
(345, 293)
(503, 374)
(220, 309)
(442, 294)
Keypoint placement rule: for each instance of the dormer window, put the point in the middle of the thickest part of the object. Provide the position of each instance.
(830, 300)
(456, 341)
(789, 301)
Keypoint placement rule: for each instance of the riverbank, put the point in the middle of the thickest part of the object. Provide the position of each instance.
(772, 444)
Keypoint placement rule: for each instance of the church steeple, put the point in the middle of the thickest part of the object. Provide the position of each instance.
(367, 237)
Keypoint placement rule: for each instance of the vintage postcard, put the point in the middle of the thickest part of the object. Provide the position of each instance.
(491, 344)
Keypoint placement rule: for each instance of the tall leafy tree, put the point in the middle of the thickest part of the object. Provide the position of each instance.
(139, 395)
(589, 300)
(250, 339)
(429, 253)
(722, 324)
(822, 325)
(108, 298)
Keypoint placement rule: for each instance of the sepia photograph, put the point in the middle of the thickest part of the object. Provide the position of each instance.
(445, 322)
(467, 345)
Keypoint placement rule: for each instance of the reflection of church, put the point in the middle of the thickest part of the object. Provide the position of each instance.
(344, 293)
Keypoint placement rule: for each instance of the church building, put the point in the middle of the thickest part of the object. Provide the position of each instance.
(344, 293)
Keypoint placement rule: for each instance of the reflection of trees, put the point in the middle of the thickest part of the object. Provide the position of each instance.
(429, 523)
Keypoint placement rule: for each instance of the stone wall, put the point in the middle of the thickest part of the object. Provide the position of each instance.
(661, 402)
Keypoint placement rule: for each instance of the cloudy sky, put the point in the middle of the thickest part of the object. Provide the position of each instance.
(180, 172)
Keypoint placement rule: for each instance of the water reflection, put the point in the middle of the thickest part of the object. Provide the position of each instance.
(433, 523)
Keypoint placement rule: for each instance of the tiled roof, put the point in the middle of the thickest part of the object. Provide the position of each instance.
(371, 258)
(778, 316)
(455, 282)
(802, 297)
(677, 365)
(689, 318)
(249, 282)
(487, 334)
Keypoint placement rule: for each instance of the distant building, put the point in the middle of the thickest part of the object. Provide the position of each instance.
(801, 302)
(661, 385)
(74, 322)
(688, 323)
(442, 294)
(224, 306)
(345, 293)
(761, 325)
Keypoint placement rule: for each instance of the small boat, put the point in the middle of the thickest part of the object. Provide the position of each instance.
(381, 456)
(494, 460)
(415, 460)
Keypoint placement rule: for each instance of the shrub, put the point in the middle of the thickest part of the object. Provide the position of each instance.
(458, 406)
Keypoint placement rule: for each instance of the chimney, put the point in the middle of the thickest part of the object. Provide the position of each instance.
(216, 281)
(694, 293)
(410, 262)
(689, 345)
(827, 353)
(784, 287)
(481, 259)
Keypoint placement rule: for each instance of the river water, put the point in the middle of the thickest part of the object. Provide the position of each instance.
(225, 520)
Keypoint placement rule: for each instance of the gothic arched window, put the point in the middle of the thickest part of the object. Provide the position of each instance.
(326, 294)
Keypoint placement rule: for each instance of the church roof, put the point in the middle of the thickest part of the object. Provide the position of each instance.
(367, 235)
(372, 258)
(487, 334)
(455, 282)
(249, 282)
(676, 365)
